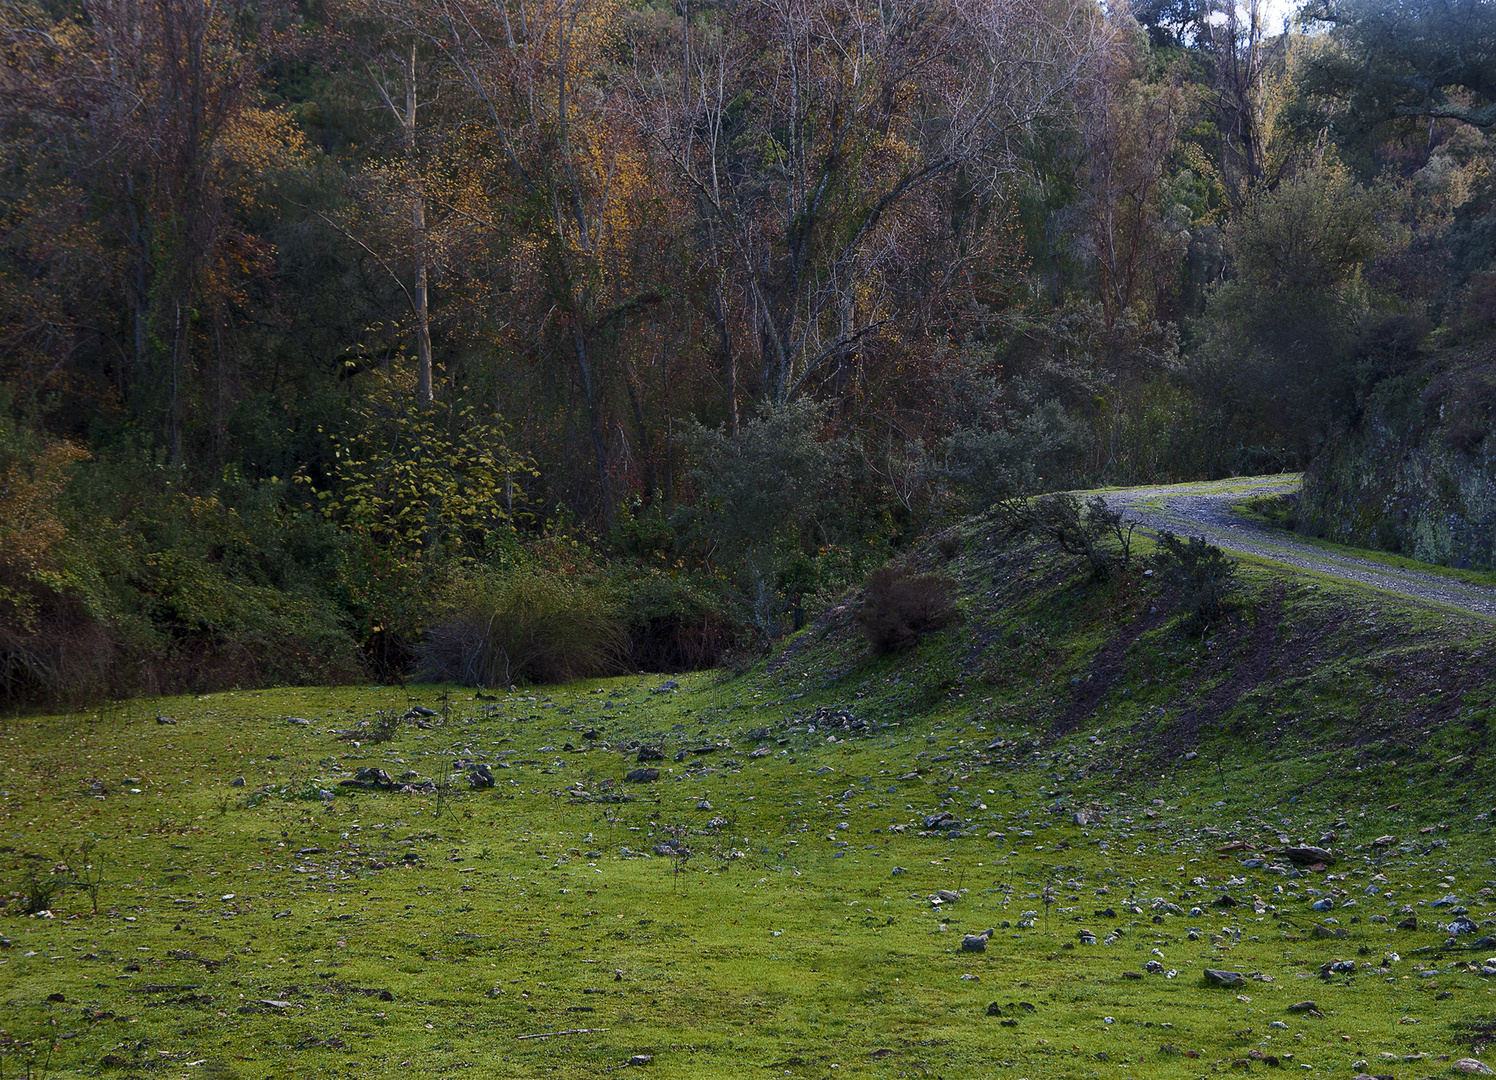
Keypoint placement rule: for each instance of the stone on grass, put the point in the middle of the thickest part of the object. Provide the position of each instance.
(641, 776)
(976, 942)
(1308, 855)
(1215, 977)
(1473, 1067)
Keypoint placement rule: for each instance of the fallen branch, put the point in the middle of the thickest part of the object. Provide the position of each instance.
(568, 1031)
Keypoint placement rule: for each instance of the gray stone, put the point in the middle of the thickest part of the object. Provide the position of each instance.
(1153, 967)
(651, 753)
(1473, 1067)
(1324, 903)
(976, 942)
(1462, 925)
(640, 1059)
(641, 776)
(1447, 900)
(1214, 977)
(480, 776)
(1308, 855)
(237, 781)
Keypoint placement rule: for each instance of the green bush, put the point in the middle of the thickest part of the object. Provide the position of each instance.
(1205, 577)
(675, 622)
(1089, 530)
(526, 625)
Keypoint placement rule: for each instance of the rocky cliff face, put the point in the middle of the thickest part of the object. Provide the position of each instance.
(1417, 475)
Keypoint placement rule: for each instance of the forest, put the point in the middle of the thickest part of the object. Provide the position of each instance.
(501, 342)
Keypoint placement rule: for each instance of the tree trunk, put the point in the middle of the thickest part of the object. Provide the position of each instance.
(594, 422)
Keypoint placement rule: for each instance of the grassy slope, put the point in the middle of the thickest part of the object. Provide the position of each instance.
(787, 943)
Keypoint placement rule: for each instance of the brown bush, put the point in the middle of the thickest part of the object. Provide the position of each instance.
(901, 606)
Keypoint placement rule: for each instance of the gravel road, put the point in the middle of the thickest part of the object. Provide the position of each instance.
(1206, 510)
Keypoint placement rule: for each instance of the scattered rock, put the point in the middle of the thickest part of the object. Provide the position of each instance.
(994, 1009)
(1308, 855)
(480, 776)
(1153, 967)
(651, 753)
(1214, 977)
(1304, 1007)
(165, 720)
(826, 717)
(1462, 925)
(666, 687)
(237, 781)
(1410, 923)
(1321, 931)
(1473, 1067)
(976, 942)
(640, 1059)
(369, 778)
(944, 896)
(641, 776)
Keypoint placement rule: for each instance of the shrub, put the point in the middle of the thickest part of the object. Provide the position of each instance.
(526, 625)
(675, 622)
(1205, 577)
(1090, 530)
(901, 606)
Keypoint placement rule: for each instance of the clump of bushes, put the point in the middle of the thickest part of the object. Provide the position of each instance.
(900, 606)
(1205, 577)
(675, 622)
(525, 625)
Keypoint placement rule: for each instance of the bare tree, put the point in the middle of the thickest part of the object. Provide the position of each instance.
(830, 145)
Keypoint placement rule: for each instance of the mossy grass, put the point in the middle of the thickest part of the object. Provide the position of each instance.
(267, 930)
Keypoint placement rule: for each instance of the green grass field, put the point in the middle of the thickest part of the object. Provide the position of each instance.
(295, 927)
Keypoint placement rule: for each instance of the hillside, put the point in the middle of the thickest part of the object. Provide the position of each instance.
(1114, 797)
(1416, 472)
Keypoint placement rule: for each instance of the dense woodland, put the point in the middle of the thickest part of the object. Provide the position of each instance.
(343, 338)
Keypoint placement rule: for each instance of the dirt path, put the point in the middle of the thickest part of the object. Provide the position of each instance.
(1206, 510)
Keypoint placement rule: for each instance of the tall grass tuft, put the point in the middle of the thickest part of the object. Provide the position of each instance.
(525, 625)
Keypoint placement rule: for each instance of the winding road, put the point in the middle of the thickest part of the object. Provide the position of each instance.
(1207, 510)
